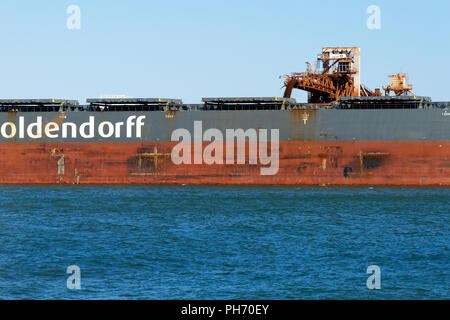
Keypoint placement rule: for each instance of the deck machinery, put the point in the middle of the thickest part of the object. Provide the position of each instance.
(337, 74)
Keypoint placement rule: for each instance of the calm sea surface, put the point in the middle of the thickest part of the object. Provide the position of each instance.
(211, 242)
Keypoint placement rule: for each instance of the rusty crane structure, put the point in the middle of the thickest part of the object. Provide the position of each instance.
(336, 74)
(399, 85)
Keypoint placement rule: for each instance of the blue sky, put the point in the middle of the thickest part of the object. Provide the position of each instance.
(194, 49)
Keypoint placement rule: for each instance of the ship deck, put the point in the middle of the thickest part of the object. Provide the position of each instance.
(215, 104)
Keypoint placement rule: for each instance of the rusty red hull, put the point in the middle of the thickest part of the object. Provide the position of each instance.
(405, 163)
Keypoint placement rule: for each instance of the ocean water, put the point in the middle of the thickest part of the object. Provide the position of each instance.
(224, 242)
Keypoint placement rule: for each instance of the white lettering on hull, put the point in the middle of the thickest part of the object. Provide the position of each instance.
(87, 130)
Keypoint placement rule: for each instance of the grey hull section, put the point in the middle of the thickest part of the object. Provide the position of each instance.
(293, 125)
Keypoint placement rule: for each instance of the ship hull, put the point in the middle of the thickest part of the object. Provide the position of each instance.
(395, 163)
(316, 147)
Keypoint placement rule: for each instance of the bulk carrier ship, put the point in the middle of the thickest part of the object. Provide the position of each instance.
(345, 134)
